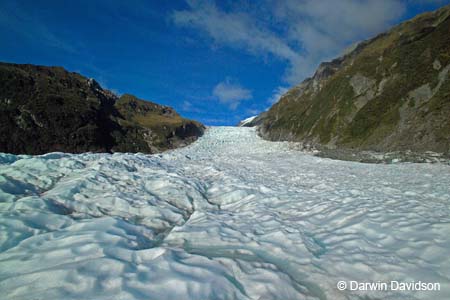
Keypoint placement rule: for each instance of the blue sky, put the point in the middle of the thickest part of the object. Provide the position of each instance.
(217, 62)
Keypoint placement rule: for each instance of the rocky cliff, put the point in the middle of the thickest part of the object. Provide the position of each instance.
(46, 109)
(389, 93)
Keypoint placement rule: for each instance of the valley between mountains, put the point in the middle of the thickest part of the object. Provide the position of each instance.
(230, 216)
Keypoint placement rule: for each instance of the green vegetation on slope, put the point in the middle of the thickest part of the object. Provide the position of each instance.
(390, 93)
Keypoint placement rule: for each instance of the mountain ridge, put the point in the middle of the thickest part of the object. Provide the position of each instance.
(48, 109)
(390, 93)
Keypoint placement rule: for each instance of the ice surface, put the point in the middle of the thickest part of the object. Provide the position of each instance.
(228, 217)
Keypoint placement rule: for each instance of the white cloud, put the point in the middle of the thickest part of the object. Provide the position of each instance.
(324, 28)
(301, 32)
(230, 93)
(236, 29)
(277, 93)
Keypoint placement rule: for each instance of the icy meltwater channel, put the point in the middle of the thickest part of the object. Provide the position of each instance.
(229, 217)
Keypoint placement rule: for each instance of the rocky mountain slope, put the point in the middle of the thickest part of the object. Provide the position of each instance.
(389, 93)
(46, 109)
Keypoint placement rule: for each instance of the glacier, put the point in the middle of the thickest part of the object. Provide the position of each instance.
(229, 217)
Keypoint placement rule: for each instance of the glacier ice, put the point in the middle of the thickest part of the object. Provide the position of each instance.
(228, 217)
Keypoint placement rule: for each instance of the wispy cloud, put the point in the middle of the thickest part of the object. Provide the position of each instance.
(253, 112)
(188, 106)
(231, 93)
(324, 28)
(277, 93)
(233, 28)
(31, 27)
(300, 32)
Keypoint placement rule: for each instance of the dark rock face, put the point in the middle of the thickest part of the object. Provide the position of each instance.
(390, 93)
(46, 109)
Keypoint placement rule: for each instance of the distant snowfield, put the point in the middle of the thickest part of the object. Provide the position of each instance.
(229, 217)
(247, 121)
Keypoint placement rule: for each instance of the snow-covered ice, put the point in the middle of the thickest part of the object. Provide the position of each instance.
(247, 121)
(228, 217)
